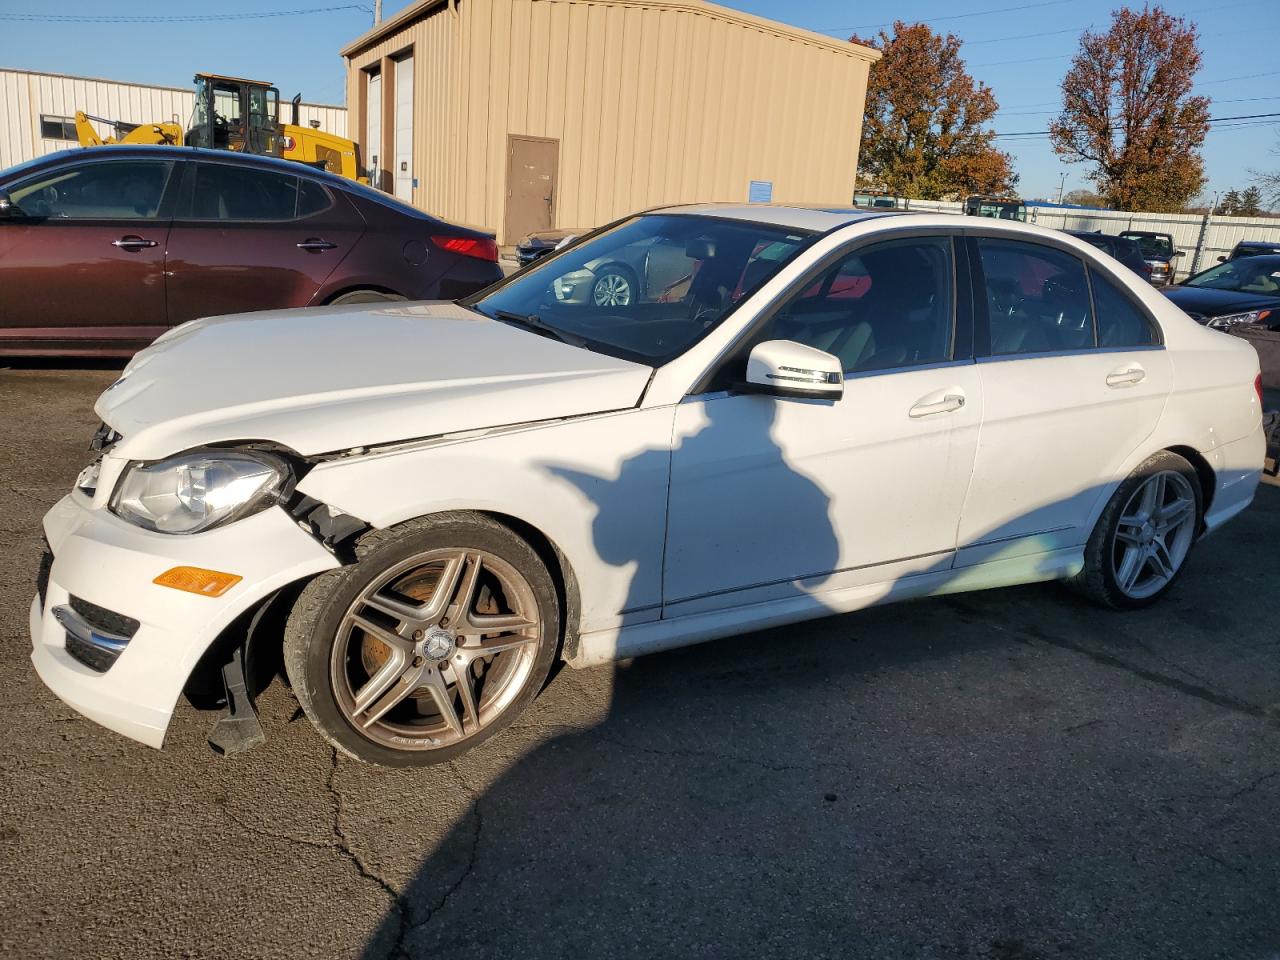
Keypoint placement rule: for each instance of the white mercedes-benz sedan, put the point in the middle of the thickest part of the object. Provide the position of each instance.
(691, 423)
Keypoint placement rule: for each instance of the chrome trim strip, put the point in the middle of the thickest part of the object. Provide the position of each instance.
(1078, 352)
(75, 625)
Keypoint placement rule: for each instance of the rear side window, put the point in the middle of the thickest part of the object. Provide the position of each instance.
(226, 192)
(109, 190)
(312, 198)
(1120, 322)
(1037, 298)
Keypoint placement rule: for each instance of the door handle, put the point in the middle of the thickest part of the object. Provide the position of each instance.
(134, 243)
(929, 407)
(1126, 376)
(315, 243)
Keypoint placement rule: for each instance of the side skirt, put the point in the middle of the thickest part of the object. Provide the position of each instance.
(620, 643)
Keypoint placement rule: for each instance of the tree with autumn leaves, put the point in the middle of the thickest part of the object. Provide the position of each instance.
(926, 132)
(1127, 108)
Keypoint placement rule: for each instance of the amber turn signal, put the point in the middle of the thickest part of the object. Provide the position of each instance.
(207, 583)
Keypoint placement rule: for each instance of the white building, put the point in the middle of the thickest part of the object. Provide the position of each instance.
(38, 110)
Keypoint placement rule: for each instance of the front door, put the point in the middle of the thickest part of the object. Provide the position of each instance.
(1074, 381)
(254, 239)
(531, 185)
(82, 259)
(773, 498)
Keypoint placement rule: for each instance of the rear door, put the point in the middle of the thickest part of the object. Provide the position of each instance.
(251, 238)
(82, 261)
(1074, 379)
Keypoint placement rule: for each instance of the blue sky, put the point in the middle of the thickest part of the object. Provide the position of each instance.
(1021, 53)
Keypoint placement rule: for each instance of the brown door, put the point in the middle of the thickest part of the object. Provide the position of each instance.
(82, 257)
(531, 185)
(254, 239)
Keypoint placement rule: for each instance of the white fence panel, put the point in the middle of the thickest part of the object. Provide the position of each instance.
(1187, 229)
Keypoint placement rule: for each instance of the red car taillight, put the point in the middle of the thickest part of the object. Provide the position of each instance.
(482, 249)
(1257, 385)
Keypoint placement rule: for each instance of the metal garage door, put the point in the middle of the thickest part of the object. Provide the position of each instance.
(404, 129)
(373, 130)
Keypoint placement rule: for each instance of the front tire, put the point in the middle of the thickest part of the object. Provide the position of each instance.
(437, 638)
(1144, 537)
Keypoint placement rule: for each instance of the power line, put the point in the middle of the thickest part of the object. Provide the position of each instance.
(193, 18)
(954, 16)
(1211, 120)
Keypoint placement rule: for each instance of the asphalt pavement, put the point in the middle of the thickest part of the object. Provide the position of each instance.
(1012, 775)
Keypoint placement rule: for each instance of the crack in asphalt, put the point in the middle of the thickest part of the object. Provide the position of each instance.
(1028, 635)
(1225, 798)
(1198, 691)
(343, 846)
(399, 949)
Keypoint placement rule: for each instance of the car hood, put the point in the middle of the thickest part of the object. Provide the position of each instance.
(1215, 303)
(332, 378)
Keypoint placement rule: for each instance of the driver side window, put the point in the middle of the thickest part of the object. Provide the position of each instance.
(105, 190)
(886, 306)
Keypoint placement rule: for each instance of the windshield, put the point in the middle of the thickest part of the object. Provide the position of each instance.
(1159, 248)
(1248, 275)
(647, 289)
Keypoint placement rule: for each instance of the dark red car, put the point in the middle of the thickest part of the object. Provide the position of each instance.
(102, 250)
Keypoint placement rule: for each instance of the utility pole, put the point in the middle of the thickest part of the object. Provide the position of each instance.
(377, 12)
(1062, 185)
(1204, 232)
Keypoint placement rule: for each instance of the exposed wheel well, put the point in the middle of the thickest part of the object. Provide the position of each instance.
(1204, 472)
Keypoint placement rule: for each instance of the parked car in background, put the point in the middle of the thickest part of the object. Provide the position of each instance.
(827, 412)
(1158, 250)
(1125, 249)
(1252, 248)
(103, 250)
(539, 244)
(1240, 292)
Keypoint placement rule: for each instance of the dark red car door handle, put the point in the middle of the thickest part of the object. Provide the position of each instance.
(134, 243)
(315, 243)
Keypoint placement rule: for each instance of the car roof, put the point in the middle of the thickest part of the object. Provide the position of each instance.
(1269, 244)
(817, 217)
(127, 150)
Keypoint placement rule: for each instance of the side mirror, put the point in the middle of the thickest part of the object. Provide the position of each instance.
(785, 368)
(1222, 259)
(7, 209)
(1179, 253)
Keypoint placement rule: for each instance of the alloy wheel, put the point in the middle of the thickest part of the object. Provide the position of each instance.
(434, 649)
(1154, 534)
(611, 290)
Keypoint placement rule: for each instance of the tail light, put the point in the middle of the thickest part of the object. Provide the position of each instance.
(1257, 385)
(483, 248)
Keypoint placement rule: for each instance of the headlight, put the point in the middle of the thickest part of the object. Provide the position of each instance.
(1233, 319)
(565, 286)
(196, 491)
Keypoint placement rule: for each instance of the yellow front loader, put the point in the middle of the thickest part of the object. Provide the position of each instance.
(232, 113)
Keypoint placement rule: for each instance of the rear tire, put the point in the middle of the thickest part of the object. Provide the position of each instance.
(437, 638)
(1144, 536)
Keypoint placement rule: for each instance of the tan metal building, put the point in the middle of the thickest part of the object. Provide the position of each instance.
(526, 114)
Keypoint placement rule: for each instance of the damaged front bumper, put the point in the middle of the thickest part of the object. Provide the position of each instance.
(128, 678)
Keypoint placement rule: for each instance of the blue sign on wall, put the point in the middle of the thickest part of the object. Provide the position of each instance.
(760, 191)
